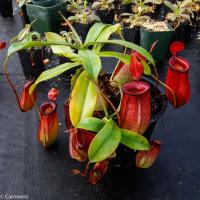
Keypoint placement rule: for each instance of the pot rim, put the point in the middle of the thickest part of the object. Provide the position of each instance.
(173, 59)
(45, 105)
(145, 88)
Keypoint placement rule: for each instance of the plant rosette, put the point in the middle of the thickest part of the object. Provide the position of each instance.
(100, 112)
(181, 12)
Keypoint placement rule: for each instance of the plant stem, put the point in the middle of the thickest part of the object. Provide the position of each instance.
(108, 100)
(72, 29)
(172, 92)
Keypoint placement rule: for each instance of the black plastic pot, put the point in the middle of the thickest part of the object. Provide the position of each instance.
(131, 34)
(159, 13)
(106, 16)
(24, 17)
(183, 33)
(161, 50)
(47, 15)
(126, 8)
(6, 8)
(32, 63)
(125, 156)
(82, 29)
(195, 21)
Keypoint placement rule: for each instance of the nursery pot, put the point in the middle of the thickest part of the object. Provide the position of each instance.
(147, 38)
(131, 34)
(126, 157)
(106, 16)
(159, 13)
(82, 29)
(183, 32)
(47, 15)
(24, 16)
(44, 3)
(126, 8)
(6, 8)
(32, 63)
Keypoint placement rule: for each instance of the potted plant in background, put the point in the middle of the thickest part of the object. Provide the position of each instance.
(180, 19)
(156, 31)
(74, 6)
(107, 113)
(131, 26)
(125, 6)
(32, 59)
(195, 7)
(47, 14)
(83, 19)
(6, 8)
(131, 22)
(105, 9)
(23, 11)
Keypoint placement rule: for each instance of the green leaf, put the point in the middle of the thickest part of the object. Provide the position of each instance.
(50, 73)
(134, 140)
(125, 58)
(147, 69)
(94, 32)
(106, 33)
(105, 142)
(169, 5)
(75, 77)
(21, 3)
(135, 47)
(24, 32)
(25, 45)
(91, 124)
(91, 62)
(61, 50)
(154, 1)
(83, 99)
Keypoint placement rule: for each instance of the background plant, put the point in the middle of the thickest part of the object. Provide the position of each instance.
(103, 5)
(23, 2)
(180, 12)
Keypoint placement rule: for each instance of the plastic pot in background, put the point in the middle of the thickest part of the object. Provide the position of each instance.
(44, 3)
(32, 63)
(159, 13)
(183, 33)
(48, 18)
(6, 8)
(131, 34)
(24, 16)
(126, 8)
(82, 29)
(161, 50)
(106, 16)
